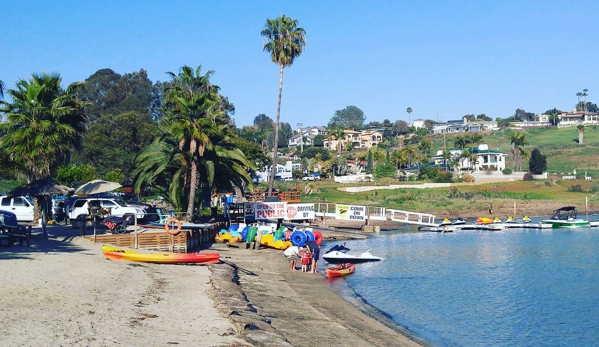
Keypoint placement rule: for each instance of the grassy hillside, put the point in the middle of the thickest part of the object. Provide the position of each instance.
(561, 147)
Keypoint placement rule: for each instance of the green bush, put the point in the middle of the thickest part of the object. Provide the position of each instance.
(507, 171)
(576, 188)
(528, 177)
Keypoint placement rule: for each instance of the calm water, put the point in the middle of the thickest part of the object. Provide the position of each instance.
(477, 288)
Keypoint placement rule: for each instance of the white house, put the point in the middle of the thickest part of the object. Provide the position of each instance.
(307, 136)
(284, 172)
(419, 123)
(483, 159)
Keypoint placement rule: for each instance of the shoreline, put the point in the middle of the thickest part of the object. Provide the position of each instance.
(283, 308)
(72, 296)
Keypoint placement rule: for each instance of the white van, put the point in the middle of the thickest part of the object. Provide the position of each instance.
(19, 205)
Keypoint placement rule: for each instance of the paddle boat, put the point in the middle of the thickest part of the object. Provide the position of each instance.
(115, 253)
(565, 217)
(340, 270)
(338, 255)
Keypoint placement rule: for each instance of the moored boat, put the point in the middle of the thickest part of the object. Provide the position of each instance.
(565, 217)
(338, 255)
(340, 270)
(115, 253)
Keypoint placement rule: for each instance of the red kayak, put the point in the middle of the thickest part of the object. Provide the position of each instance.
(114, 253)
(340, 270)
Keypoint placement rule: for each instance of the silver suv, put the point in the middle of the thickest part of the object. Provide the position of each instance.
(117, 207)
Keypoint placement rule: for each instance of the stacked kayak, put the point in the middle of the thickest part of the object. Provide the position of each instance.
(115, 253)
(340, 270)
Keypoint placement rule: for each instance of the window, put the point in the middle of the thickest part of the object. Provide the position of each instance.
(79, 203)
(5, 201)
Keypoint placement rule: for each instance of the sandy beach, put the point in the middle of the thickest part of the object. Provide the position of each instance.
(62, 292)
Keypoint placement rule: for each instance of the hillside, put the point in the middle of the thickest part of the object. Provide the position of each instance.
(561, 147)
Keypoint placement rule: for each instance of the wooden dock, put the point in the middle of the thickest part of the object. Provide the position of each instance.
(156, 239)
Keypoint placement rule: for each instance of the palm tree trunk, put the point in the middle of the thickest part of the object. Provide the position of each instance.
(275, 147)
(193, 186)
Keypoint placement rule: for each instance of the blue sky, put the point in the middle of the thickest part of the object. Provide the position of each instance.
(438, 57)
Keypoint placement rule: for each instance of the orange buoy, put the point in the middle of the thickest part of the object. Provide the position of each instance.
(317, 237)
(173, 231)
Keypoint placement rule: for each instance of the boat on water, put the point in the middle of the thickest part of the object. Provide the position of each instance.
(340, 270)
(338, 255)
(565, 217)
(115, 253)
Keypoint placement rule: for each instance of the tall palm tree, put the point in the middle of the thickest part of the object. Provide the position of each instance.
(286, 42)
(518, 140)
(43, 123)
(580, 128)
(338, 134)
(1, 89)
(409, 111)
(192, 105)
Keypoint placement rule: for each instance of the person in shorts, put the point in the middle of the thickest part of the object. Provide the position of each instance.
(315, 251)
(292, 254)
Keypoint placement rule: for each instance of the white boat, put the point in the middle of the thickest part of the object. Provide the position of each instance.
(565, 217)
(338, 254)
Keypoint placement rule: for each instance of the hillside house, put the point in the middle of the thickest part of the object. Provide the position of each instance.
(484, 159)
(354, 139)
(307, 136)
(574, 118)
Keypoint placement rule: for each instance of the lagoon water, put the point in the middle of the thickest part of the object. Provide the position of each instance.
(485, 288)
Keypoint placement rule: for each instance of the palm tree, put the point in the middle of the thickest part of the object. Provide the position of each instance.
(1, 89)
(518, 140)
(409, 111)
(286, 42)
(338, 134)
(580, 128)
(192, 105)
(43, 123)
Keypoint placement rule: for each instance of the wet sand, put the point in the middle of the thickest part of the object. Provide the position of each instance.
(292, 308)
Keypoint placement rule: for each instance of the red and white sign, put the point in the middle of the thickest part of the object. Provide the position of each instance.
(270, 210)
(300, 211)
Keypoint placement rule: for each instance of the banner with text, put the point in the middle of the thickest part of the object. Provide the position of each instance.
(270, 210)
(300, 211)
(350, 212)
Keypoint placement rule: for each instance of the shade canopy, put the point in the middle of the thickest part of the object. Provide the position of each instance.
(41, 187)
(96, 187)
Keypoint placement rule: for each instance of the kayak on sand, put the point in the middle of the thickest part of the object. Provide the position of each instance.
(115, 253)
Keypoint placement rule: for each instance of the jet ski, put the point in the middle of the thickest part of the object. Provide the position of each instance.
(338, 255)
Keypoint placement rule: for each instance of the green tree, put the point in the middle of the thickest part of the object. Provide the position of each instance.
(385, 170)
(115, 175)
(70, 174)
(313, 152)
(113, 141)
(111, 93)
(263, 123)
(1, 89)
(318, 140)
(350, 117)
(369, 162)
(192, 105)
(286, 42)
(537, 163)
(409, 111)
(43, 124)
(400, 127)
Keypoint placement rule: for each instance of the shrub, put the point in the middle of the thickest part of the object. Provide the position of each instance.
(528, 176)
(576, 188)
(507, 171)
(468, 178)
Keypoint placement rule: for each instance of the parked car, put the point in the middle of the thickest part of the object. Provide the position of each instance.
(117, 207)
(8, 219)
(19, 205)
(308, 178)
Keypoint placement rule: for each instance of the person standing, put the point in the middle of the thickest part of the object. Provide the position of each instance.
(292, 254)
(315, 251)
(306, 259)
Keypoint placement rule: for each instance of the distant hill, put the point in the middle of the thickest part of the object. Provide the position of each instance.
(561, 147)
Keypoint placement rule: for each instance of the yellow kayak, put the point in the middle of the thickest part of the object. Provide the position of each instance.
(268, 240)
